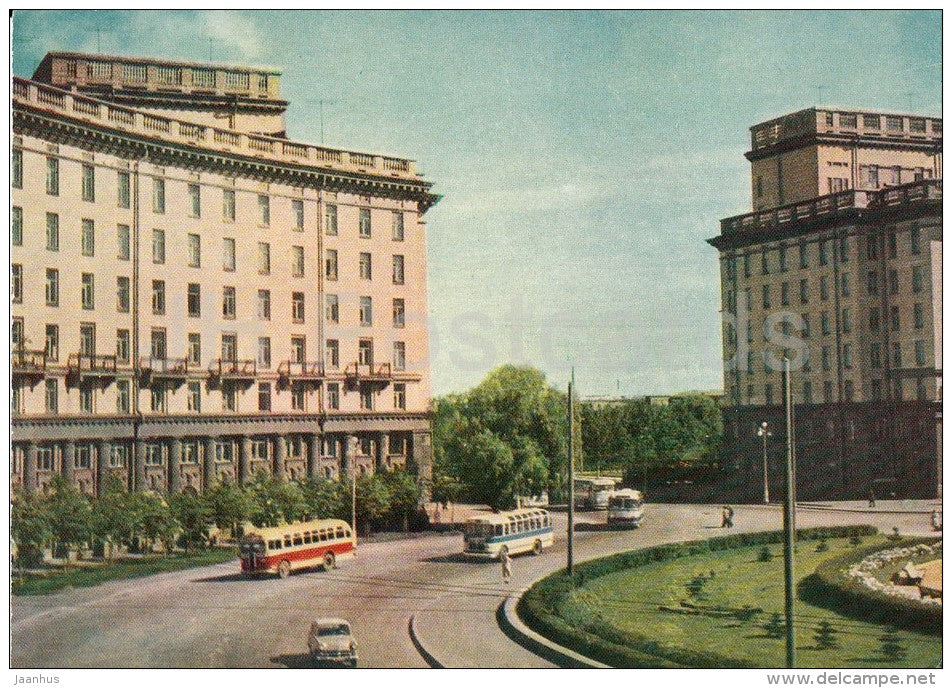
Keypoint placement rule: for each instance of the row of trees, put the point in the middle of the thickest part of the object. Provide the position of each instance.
(64, 517)
(508, 436)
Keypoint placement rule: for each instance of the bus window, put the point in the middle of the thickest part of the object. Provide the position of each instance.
(298, 540)
(274, 544)
(307, 538)
(347, 532)
(498, 530)
(287, 540)
(323, 535)
(340, 531)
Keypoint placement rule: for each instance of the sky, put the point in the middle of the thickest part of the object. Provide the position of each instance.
(583, 157)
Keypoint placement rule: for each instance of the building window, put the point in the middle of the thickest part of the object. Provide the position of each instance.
(836, 184)
(297, 306)
(893, 282)
(16, 400)
(782, 257)
(159, 348)
(766, 295)
(51, 343)
(88, 238)
(785, 294)
(917, 279)
(807, 392)
(848, 392)
(122, 396)
(806, 324)
(825, 322)
(399, 356)
(122, 239)
(228, 205)
(52, 232)
(921, 392)
(366, 398)
(119, 456)
(768, 393)
(228, 255)
(330, 264)
(847, 356)
(920, 346)
(333, 396)
(298, 352)
(804, 291)
(194, 396)
(399, 313)
(399, 395)
(823, 252)
(297, 210)
(122, 294)
(915, 241)
(228, 305)
(16, 171)
(398, 269)
(86, 404)
(194, 300)
(897, 355)
(16, 279)
(264, 258)
(366, 311)
(397, 225)
(52, 395)
(872, 247)
(264, 352)
(332, 308)
(825, 357)
(365, 352)
(194, 348)
(158, 196)
(158, 297)
(264, 396)
(333, 353)
(88, 292)
(844, 249)
(918, 316)
(330, 220)
(874, 319)
(158, 399)
(872, 283)
(52, 177)
(297, 261)
(894, 317)
(847, 320)
(264, 210)
(844, 284)
(298, 398)
(824, 288)
(229, 347)
(893, 245)
(194, 251)
(872, 176)
(17, 337)
(16, 226)
(122, 190)
(122, 346)
(158, 246)
(264, 304)
(366, 270)
(190, 450)
(365, 223)
(764, 262)
(195, 200)
(875, 355)
(89, 183)
(87, 339)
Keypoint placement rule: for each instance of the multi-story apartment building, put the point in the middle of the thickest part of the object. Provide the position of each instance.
(838, 268)
(198, 298)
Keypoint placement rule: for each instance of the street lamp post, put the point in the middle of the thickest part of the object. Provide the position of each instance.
(764, 433)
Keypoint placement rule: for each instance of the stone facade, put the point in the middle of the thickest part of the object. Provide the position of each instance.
(194, 301)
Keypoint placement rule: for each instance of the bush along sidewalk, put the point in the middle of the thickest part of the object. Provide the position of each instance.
(542, 606)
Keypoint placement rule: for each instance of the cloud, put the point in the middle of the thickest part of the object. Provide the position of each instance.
(238, 33)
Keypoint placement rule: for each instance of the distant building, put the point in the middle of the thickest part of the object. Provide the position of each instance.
(597, 401)
(196, 297)
(842, 252)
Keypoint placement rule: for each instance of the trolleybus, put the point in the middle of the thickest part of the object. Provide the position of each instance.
(593, 493)
(626, 507)
(521, 530)
(295, 546)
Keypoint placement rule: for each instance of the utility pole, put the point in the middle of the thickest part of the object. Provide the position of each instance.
(788, 524)
(764, 433)
(571, 528)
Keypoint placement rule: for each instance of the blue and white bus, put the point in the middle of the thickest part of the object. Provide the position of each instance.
(520, 530)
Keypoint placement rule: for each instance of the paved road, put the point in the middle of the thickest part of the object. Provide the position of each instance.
(210, 617)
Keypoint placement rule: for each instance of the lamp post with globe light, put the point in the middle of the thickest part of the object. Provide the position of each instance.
(764, 433)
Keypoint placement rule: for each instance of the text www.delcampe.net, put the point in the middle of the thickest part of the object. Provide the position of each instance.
(842, 678)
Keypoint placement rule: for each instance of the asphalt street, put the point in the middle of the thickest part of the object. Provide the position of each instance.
(212, 617)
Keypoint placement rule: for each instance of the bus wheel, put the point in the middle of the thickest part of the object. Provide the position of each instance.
(329, 561)
(284, 569)
(537, 547)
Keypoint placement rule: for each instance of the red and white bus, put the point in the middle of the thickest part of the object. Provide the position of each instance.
(296, 546)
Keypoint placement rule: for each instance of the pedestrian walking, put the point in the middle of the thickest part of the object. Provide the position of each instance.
(506, 565)
(936, 520)
(872, 499)
(727, 517)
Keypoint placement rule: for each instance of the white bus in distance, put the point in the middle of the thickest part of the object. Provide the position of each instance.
(520, 530)
(593, 492)
(626, 507)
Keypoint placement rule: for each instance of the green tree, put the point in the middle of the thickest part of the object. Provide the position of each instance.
(70, 515)
(891, 648)
(324, 498)
(156, 520)
(192, 514)
(825, 636)
(112, 514)
(275, 501)
(404, 494)
(30, 527)
(776, 628)
(229, 504)
(373, 500)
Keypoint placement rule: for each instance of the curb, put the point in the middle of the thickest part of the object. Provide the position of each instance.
(512, 626)
(427, 657)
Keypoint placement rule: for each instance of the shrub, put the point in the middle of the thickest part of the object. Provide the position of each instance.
(856, 540)
(825, 636)
(776, 627)
(765, 554)
(891, 648)
(823, 546)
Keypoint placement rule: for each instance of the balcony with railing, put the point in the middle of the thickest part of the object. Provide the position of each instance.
(171, 370)
(103, 113)
(27, 364)
(301, 371)
(370, 372)
(831, 206)
(91, 366)
(238, 369)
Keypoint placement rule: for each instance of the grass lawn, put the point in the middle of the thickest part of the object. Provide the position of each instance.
(58, 579)
(630, 601)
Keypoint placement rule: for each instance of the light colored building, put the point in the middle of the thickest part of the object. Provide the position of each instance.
(194, 301)
(839, 267)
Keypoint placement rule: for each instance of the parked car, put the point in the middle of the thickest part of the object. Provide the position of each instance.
(331, 640)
